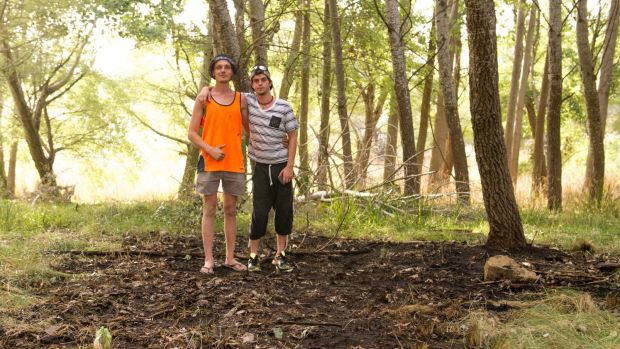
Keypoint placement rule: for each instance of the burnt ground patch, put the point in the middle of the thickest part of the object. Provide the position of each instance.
(342, 293)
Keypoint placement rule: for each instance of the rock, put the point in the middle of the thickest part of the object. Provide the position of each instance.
(505, 268)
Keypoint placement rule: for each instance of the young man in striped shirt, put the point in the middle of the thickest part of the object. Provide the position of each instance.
(271, 119)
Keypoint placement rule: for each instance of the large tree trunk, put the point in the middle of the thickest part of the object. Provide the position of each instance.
(257, 22)
(554, 150)
(326, 80)
(342, 97)
(607, 61)
(595, 185)
(513, 159)
(539, 170)
(516, 72)
(425, 108)
(372, 113)
(3, 180)
(391, 143)
(291, 62)
(303, 112)
(505, 228)
(229, 41)
(401, 86)
(451, 103)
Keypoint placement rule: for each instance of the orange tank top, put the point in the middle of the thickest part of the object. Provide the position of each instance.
(222, 125)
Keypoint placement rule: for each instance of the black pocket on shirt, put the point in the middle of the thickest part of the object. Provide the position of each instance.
(275, 122)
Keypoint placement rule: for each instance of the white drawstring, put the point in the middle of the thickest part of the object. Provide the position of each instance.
(270, 180)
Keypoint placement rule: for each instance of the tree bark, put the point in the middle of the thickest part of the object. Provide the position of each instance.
(391, 143)
(257, 22)
(425, 108)
(441, 141)
(539, 170)
(513, 159)
(401, 86)
(606, 70)
(326, 80)
(186, 189)
(372, 112)
(291, 62)
(12, 170)
(229, 41)
(450, 100)
(505, 227)
(342, 98)
(516, 72)
(554, 149)
(595, 185)
(303, 112)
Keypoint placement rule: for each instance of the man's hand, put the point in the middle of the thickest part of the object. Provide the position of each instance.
(204, 95)
(217, 152)
(287, 174)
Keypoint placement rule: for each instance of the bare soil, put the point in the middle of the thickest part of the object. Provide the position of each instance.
(342, 294)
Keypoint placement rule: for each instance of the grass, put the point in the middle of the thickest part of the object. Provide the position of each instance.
(562, 320)
(27, 232)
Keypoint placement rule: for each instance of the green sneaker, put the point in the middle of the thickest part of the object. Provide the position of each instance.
(253, 264)
(281, 264)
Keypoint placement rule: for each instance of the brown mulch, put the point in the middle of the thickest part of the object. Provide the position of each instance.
(354, 293)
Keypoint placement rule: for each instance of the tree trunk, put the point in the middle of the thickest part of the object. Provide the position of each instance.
(425, 108)
(41, 162)
(554, 149)
(607, 62)
(513, 159)
(441, 143)
(303, 112)
(326, 80)
(595, 185)
(391, 143)
(257, 22)
(450, 100)
(342, 98)
(401, 86)
(186, 189)
(12, 170)
(229, 40)
(293, 56)
(3, 180)
(516, 72)
(505, 228)
(539, 170)
(372, 113)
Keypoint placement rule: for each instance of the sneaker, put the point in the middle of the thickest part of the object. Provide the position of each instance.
(281, 264)
(253, 264)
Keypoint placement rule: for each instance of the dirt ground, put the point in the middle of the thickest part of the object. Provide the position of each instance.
(349, 294)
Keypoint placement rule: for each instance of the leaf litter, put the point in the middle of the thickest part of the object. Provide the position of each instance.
(354, 293)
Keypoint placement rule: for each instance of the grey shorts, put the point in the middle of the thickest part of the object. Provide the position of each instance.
(233, 183)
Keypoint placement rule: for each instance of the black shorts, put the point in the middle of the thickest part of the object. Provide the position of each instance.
(268, 193)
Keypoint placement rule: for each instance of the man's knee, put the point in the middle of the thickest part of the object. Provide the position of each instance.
(209, 206)
(230, 209)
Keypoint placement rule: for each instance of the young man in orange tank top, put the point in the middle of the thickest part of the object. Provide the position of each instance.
(221, 157)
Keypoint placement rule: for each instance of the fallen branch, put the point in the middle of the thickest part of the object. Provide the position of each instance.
(149, 253)
(307, 323)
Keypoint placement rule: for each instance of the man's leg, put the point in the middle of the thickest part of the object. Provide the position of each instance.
(230, 228)
(209, 205)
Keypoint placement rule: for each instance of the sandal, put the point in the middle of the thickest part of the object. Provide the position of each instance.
(236, 266)
(206, 269)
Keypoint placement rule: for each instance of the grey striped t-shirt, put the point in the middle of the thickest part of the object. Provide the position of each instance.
(267, 130)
